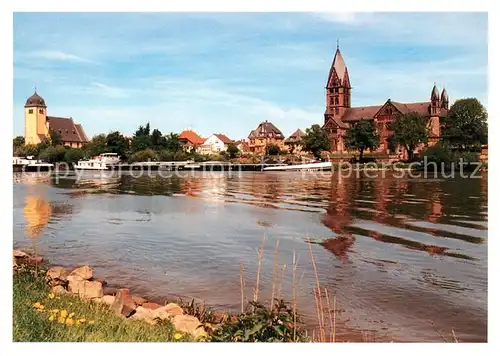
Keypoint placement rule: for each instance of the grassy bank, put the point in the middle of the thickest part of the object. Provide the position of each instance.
(42, 316)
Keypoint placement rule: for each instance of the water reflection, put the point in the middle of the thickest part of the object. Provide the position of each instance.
(391, 250)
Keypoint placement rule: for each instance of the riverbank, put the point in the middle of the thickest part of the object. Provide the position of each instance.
(51, 304)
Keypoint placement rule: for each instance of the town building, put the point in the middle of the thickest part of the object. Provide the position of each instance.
(242, 145)
(37, 125)
(340, 116)
(190, 140)
(264, 135)
(215, 143)
(294, 142)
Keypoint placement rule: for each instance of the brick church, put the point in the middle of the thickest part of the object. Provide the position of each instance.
(339, 115)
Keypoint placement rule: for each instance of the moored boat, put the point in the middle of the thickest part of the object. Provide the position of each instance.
(102, 162)
(320, 166)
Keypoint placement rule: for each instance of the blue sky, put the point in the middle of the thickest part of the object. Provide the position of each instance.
(226, 72)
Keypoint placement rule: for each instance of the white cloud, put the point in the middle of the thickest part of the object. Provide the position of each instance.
(58, 55)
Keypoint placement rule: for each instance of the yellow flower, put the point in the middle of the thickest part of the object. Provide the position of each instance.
(177, 336)
(61, 320)
(51, 318)
(70, 303)
(77, 322)
(69, 322)
(55, 311)
(41, 307)
(51, 295)
(64, 313)
(71, 315)
(36, 305)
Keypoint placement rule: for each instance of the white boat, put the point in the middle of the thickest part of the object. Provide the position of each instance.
(29, 164)
(102, 162)
(321, 166)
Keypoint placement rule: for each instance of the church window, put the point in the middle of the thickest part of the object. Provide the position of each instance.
(336, 100)
(336, 110)
(30, 111)
(40, 111)
(331, 100)
(337, 90)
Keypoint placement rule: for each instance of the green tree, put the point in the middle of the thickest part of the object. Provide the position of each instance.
(144, 156)
(361, 136)
(409, 131)
(55, 138)
(315, 141)
(53, 154)
(232, 150)
(117, 143)
(18, 142)
(466, 125)
(141, 143)
(156, 138)
(272, 150)
(73, 155)
(173, 143)
(143, 130)
(26, 150)
(96, 146)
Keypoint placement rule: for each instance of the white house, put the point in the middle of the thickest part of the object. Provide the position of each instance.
(214, 144)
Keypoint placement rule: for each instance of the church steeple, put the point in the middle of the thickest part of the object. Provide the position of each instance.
(338, 86)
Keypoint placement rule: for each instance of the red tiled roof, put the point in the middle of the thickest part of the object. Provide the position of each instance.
(421, 108)
(81, 133)
(191, 137)
(361, 112)
(66, 128)
(224, 138)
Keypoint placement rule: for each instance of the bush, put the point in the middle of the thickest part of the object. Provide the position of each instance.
(261, 324)
(144, 156)
(73, 155)
(443, 154)
(53, 154)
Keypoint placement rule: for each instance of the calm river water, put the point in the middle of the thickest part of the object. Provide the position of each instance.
(405, 258)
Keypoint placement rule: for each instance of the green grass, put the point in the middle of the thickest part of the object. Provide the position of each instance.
(29, 324)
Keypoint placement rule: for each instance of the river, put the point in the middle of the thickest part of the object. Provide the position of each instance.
(405, 258)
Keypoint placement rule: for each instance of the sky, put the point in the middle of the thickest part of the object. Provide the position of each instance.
(227, 72)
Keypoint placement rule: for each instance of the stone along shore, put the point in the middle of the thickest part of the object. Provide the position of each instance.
(81, 282)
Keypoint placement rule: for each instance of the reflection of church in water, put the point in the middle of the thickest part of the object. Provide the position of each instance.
(37, 213)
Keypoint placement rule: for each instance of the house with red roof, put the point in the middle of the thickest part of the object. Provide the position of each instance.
(340, 116)
(190, 140)
(214, 144)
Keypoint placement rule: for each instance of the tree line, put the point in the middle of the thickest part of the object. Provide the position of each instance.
(464, 129)
(145, 144)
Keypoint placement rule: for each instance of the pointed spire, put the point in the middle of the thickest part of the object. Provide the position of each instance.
(338, 67)
(435, 92)
(337, 43)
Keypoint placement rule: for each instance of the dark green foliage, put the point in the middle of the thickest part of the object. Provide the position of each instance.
(315, 141)
(172, 142)
(117, 143)
(53, 154)
(442, 153)
(466, 125)
(361, 136)
(272, 150)
(73, 155)
(144, 156)
(156, 138)
(18, 142)
(55, 138)
(392, 144)
(232, 150)
(260, 324)
(96, 146)
(409, 130)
